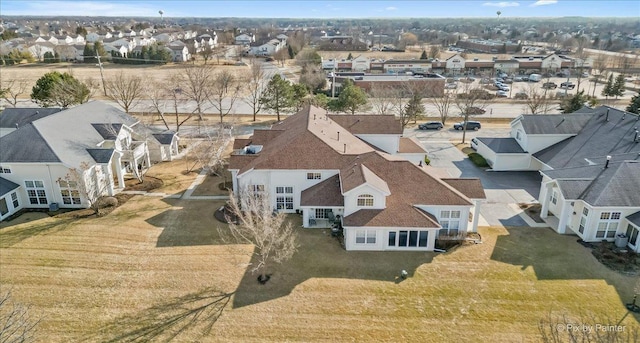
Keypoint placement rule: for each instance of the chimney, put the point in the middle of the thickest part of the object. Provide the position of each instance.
(607, 164)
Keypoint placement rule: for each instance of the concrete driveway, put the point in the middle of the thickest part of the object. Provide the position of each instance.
(504, 190)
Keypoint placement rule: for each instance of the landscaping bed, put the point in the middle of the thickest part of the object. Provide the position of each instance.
(621, 260)
(533, 211)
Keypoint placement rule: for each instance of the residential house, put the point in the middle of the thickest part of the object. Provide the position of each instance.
(179, 53)
(267, 48)
(101, 143)
(207, 40)
(351, 169)
(245, 39)
(39, 49)
(589, 163)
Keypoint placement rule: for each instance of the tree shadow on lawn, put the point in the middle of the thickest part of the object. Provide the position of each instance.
(10, 236)
(192, 316)
(557, 257)
(188, 225)
(320, 255)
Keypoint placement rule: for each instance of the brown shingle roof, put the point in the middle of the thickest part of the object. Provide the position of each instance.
(369, 124)
(324, 193)
(409, 145)
(471, 187)
(399, 216)
(240, 143)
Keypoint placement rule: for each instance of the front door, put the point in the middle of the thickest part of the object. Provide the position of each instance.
(632, 236)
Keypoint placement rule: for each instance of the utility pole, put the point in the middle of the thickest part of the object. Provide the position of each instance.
(104, 86)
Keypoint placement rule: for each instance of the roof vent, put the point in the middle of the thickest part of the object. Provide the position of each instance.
(345, 148)
(608, 160)
(635, 137)
(607, 117)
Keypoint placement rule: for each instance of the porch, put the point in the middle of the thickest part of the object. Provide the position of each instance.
(321, 218)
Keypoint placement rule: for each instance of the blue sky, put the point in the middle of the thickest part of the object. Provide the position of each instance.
(326, 9)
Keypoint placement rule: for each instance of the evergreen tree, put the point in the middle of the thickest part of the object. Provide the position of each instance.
(634, 105)
(56, 89)
(350, 57)
(352, 98)
(89, 54)
(300, 92)
(292, 53)
(278, 96)
(574, 103)
(49, 57)
(413, 110)
(424, 55)
(618, 86)
(99, 49)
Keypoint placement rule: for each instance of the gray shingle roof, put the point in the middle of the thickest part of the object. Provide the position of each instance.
(616, 185)
(7, 186)
(545, 124)
(26, 145)
(23, 116)
(101, 155)
(108, 131)
(503, 145)
(634, 218)
(164, 138)
(597, 139)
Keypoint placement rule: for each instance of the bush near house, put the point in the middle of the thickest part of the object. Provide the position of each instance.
(478, 160)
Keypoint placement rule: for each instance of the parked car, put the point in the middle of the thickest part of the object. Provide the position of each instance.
(450, 86)
(518, 79)
(508, 80)
(471, 125)
(502, 94)
(474, 143)
(567, 85)
(485, 81)
(585, 74)
(471, 78)
(431, 125)
(525, 78)
(535, 77)
(549, 85)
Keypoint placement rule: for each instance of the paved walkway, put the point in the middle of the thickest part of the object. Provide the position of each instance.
(187, 195)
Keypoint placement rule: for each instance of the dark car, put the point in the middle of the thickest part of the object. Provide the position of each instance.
(471, 125)
(431, 125)
(549, 85)
(567, 85)
(476, 110)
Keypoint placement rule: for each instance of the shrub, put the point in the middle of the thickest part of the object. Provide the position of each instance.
(427, 161)
(107, 202)
(478, 160)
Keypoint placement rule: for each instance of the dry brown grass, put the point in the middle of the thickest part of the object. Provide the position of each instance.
(154, 268)
(174, 176)
(212, 185)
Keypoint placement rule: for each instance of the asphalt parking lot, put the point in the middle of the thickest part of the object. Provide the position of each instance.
(503, 189)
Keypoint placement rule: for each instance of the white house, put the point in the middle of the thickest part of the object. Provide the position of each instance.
(98, 141)
(245, 39)
(350, 169)
(589, 163)
(39, 49)
(179, 53)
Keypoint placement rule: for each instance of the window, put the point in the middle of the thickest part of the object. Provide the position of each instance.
(585, 211)
(583, 222)
(554, 197)
(35, 191)
(284, 198)
(322, 213)
(365, 200)
(256, 189)
(450, 222)
(5, 170)
(365, 237)
(314, 176)
(69, 192)
(413, 238)
(518, 135)
(608, 224)
(14, 199)
(632, 234)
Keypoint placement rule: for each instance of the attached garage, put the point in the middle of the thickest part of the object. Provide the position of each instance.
(504, 154)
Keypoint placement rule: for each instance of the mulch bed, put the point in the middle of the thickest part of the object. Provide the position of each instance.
(148, 183)
(621, 260)
(533, 211)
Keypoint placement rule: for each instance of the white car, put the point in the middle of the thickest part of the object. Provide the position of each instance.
(450, 86)
(502, 94)
(474, 144)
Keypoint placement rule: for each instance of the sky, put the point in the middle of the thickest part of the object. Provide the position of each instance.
(325, 9)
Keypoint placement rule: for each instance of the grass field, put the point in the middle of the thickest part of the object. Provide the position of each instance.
(155, 268)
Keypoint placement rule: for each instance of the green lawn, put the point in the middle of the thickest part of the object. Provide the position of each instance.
(155, 269)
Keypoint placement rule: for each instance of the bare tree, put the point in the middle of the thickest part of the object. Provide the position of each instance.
(443, 105)
(88, 183)
(17, 324)
(281, 56)
(253, 221)
(468, 102)
(195, 82)
(208, 151)
(600, 64)
(434, 51)
(384, 98)
(12, 89)
(125, 90)
(223, 92)
(206, 52)
(255, 86)
(537, 101)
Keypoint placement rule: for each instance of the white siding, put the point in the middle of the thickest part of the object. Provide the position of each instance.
(388, 143)
(382, 239)
(351, 199)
